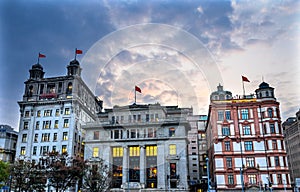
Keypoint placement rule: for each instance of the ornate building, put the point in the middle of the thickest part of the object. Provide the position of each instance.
(52, 112)
(146, 146)
(8, 143)
(246, 143)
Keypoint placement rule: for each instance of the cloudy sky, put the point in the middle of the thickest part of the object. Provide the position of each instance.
(177, 52)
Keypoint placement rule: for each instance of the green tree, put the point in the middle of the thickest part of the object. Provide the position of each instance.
(97, 176)
(4, 173)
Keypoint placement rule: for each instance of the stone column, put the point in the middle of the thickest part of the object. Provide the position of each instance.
(142, 166)
(125, 165)
(161, 166)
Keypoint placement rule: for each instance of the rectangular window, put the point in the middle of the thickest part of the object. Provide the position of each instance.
(248, 146)
(252, 179)
(247, 130)
(171, 132)
(54, 148)
(151, 150)
(37, 125)
(139, 118)
(55, 137)
(147, 118)
(134, 118)
(66, 123)
(220, 115)
(134, 151)
(57, 112)
(151, 132)
(27, 113)
(250, 162)
(47, 113)
(156, 117)
(225, 131)
(227, 145)
(25, 126)
(245, 114)
(46, 124)
(272, 128)
(172, 149)
(274, 145)
(117, 151)
(45, 137)
(173, 171)
(129, 118)
(279, 179)
(34, 150)
(228, 162)
(24, 138)
(65, 136)
(95, 152)
(23, 151)
(36, 137)
(276, 158)
(227, 115)
(230, 179)
(134, 164)
(96, 135)
(64, 149)
(38, 113)
(67, 111)
(56, 124)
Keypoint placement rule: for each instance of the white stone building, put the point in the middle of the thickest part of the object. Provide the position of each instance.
(8, 143)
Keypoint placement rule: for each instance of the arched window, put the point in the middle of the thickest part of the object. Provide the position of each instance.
(69, 88)
(270, 112)
(30, 92)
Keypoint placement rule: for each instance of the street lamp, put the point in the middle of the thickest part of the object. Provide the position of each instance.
(208, 178)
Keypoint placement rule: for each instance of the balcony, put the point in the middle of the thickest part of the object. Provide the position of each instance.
(48, 96)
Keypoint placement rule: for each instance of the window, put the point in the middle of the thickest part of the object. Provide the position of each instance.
(56, 124)
(139, 118)
(55, 137)
(41, 88)
(225, 131)
(245, 113)
(274, 145)
(228, 162)
(172, 149)
(151, 150)
(117, 151)
(134, 151)
(37, 125)
(34, 150)
(45, 137)
(46, 124)
(64, 149)
(26, 113)
(66, 123)
(47, 113)
(36, 137)
(67, 111)
(96, 135)
(95, 152)
(147, 117)
(270, 112)
(171, 132)
(151, 132)
(24, 138)
(23, 151)
(227, 145)
(227, 115)
(65, 136)
(156, 117)
(38, 113)
(248, 146)
(54, 148)
(173, 175)
(250, 162)
(279, 179)
(276, 158)
(57, 112)
(118, 134)
(230, 179)
(220, 115)
(247, 130)
(252, 179)
(272, 128)
(69, 88)
(25, 126)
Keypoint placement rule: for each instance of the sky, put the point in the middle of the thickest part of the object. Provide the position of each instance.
(177, 52)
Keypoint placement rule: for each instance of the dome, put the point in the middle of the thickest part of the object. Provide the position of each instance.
(264, 85)
(37, 66)
(74, 62)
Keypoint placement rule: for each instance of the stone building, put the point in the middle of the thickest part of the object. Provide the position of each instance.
(246, 142)
(146, 146)
(291, 129)
(8, 143)
(52, 111)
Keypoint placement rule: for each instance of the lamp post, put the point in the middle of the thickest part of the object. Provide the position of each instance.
(242, 178)
(208, 178)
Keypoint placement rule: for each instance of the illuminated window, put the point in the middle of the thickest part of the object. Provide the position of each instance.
(171, 132)
(134, 151)
(245, 113)
(156, 117)
(64, 149)
(96, 135)
(173, 175)
(117, 151)
(45, 137)
(56, 124)
(38, 113)
(225, 131)
(252, 179)
(46, 124)
(23, 151)
(151, 164)
(25, 126)
(172, 149)
(67, 111)
(55, 137)
(57, 112)
(65, 136)
(151, 150)
(47, 113)
(95, 152)
(69, 88)
(37, 125)
(66, 123)
(247, 130)
(24, 138)
(134, 164)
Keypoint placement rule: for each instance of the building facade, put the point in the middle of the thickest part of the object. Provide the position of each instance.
(146, 146)
(291, 129)
(52, 112)
(246, 142)
(8, 143)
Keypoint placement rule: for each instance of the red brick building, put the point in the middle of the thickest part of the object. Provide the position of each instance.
(245, 141)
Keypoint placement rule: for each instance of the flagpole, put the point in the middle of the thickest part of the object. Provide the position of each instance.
(243, 88)
(75, 53)
(38, 58)
(134, 96)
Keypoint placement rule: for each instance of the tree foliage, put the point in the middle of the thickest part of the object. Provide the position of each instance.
(97, 176)
(4, 173)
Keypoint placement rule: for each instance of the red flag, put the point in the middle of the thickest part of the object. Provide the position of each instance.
(138, 89)
(245, 79)
(41, 55)
(78, 51)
